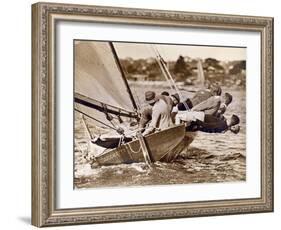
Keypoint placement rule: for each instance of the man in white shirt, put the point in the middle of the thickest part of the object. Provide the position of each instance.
(161, 111)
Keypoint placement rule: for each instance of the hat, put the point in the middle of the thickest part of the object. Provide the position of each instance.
(150, 97)
(165, 93)
(177, 96)
(228, 98)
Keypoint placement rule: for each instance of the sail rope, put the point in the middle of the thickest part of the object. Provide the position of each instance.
(121, 140)
(144, 149)
(78, 146)
(87, 127)
(89, 134)
(109, 117)
(111, 127)
(119, 118)
(167, 75)
(132, 150)
(161, 67)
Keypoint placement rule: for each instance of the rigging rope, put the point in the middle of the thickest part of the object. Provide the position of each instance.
(95, 119)
(167, 75)
(161, 67)
(144, 149)
(87, 128)
(119, 118)
(132, 150)
(78, 146)
(108, 116)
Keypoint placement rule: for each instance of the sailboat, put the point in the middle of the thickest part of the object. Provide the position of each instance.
(103, 95)
(200, 74)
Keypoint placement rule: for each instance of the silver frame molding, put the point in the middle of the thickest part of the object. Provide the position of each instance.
(44, 17)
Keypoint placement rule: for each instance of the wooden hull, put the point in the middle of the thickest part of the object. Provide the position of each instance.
(162, 146)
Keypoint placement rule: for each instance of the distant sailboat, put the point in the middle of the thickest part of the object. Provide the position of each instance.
(200, 74)
(102, 94)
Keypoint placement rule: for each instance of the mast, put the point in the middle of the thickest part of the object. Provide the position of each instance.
(123, 75)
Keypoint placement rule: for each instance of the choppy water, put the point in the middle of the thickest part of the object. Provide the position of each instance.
(210, 158)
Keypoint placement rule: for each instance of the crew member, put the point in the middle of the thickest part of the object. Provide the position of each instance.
(161, 111)
(199, 121)
(200, 96)
(214, 104)
(213, 124)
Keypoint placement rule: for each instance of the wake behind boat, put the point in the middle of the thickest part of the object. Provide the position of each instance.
(133, 114)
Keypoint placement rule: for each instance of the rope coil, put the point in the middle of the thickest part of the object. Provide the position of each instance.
(132, 150)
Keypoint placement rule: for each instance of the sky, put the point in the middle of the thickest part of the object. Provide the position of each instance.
(172, 52)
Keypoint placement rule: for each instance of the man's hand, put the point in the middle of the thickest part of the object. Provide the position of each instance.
(120, 130)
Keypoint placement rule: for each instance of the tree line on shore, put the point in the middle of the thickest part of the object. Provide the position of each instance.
(185, 69)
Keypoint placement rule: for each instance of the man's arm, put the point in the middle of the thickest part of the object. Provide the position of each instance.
(207, 104)
(145, 117)
(155, 117)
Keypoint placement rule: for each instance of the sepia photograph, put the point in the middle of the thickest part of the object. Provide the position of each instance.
(141, 114)
(158, 114)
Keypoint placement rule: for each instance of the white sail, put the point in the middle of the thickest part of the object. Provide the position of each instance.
(200, 77)
(98, 77)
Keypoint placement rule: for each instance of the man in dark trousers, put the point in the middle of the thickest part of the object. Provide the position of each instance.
(213, 124)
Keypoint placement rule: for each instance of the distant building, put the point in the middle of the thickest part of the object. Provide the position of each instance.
(139, 77)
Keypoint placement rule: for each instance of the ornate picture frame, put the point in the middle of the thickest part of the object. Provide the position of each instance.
(45, 16)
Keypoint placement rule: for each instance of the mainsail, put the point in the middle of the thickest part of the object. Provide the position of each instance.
(101, 91)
